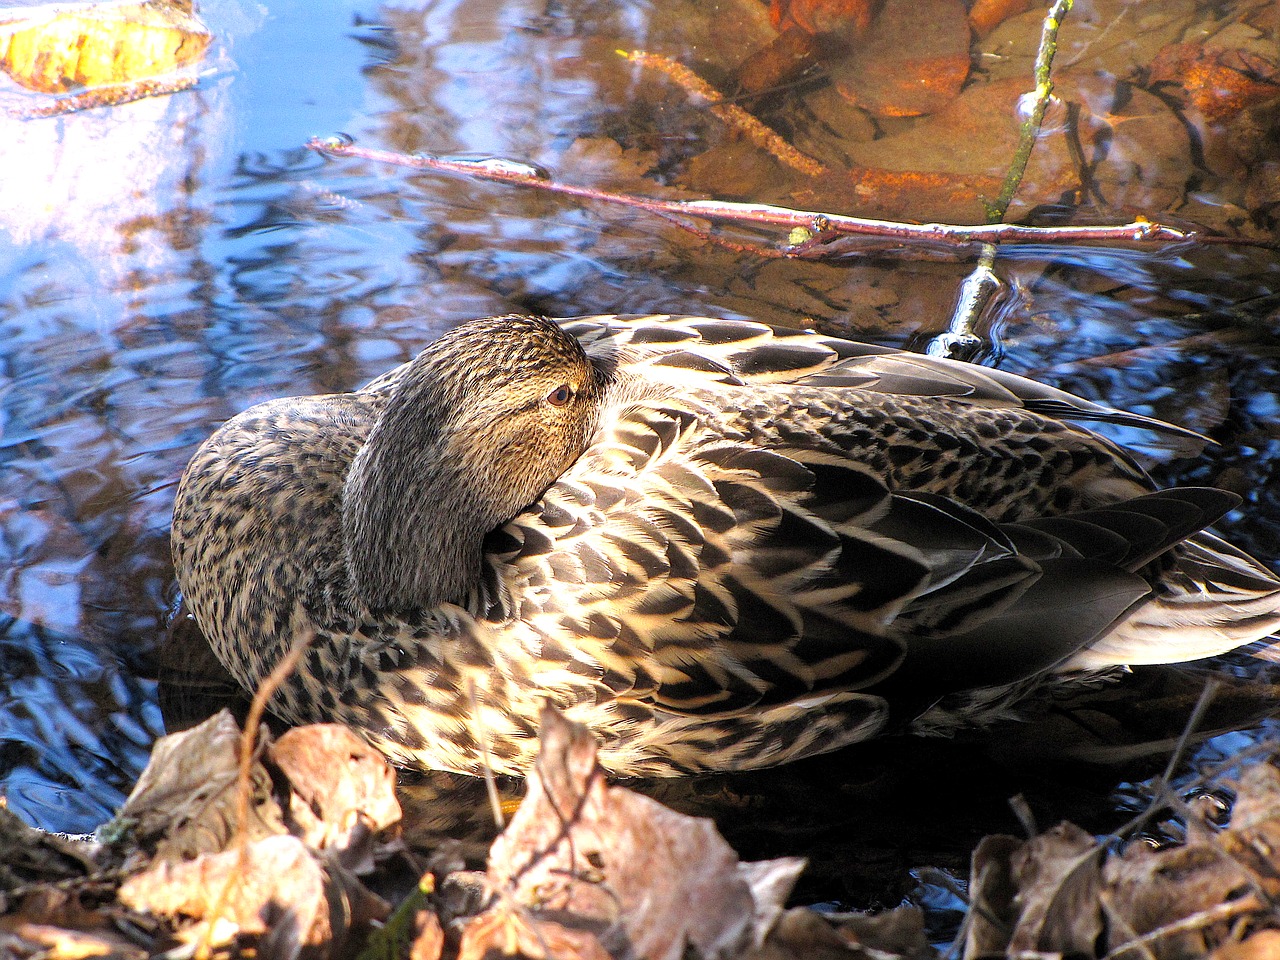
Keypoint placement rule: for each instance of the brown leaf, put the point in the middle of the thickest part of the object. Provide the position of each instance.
(993, 896)
(913, 61)
(43, 942)
(1058, 878)
(602, 162)
(342, 791)
(803, 933)
(69, 921)
(30, 856)
(1140, 152)
(1254, 833)
(1254, 133)
(793, 52)
(185, 800)
(899, 932)
(428, 938)
(1148, 889)
(942, 167)
(279, 892)
(508, 931)
(644, 879)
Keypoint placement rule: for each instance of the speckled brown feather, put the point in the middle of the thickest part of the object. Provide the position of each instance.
(772, 542)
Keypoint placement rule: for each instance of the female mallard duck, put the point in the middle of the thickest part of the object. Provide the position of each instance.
(720, 545)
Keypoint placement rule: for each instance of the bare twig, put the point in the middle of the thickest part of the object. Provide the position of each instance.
(112, 96)
(244, 780)
(982, 284)
(1225, 911)
(762, 214)
(730, 114)
(1031, 126)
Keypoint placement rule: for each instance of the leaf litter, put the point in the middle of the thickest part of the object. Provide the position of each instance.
(585, 869)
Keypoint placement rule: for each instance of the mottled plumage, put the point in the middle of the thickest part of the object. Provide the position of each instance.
(720, 545)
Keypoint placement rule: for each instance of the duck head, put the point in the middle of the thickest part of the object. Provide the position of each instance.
(480, 424)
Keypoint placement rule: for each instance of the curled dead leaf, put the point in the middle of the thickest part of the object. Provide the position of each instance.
(1058, 878)
(184, 803)
(992, 896)
(278, 892)
(605, 863)
(341, 790)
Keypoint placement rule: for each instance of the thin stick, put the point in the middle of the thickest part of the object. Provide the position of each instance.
(248, 746)
(981, 286)
(1197, 921)
(481, 734)
(113, 96)
(730, 114)
(763, 214)
(1031, 126)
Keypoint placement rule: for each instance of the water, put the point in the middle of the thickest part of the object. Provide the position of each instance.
(166, 264)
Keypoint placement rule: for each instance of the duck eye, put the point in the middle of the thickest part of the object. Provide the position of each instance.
(560, 395)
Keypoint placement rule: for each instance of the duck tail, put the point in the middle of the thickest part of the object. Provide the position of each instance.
(1214, 599)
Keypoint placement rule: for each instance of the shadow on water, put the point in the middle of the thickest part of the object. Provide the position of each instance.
(186, 258)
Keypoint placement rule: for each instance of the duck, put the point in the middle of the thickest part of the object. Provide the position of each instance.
(718, 544)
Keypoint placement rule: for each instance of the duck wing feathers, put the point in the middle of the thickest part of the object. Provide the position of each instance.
(708, 577)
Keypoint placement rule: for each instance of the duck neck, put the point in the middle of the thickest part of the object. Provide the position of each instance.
(413, 517)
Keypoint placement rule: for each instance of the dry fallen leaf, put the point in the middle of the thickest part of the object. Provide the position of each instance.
(34, 941)
(428, 937)
(1062, 893)
(583, 861)
(889, 935)
(341, 790)
(1149, 889)
(279, 891)
(986, 15)
(31, 856)
(185, 801)
(794, 51)
(1056, 907)
(992, 896)
(1254, 834)
(1263, 945)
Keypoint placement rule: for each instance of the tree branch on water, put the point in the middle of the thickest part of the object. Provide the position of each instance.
(815, 225)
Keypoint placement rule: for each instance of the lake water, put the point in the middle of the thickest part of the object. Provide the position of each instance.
(168, 263)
